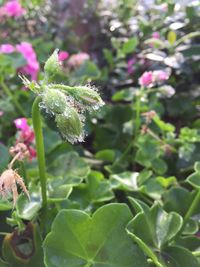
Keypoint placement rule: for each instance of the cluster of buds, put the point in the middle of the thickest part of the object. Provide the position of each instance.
(65, 103)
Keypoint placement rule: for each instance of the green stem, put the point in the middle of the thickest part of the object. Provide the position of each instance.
(14, 100)
(37, 125)
(137, 127)
(137, 118)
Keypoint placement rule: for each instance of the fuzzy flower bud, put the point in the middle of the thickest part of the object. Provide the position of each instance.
(52, 65)
(70, 125)
(54, 101)
(87, 97)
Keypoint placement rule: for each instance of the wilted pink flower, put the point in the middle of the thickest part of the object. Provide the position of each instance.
(156, 35)
(160, 75)
(146, 79)
(32, 67)
(63, 55)
(12, 9)
(7, 48)
(130, 63)
(78, 59)
(21, 124)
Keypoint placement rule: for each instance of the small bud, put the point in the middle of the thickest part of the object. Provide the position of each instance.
(88, 97)
(70, 125)
(52, 65)
(54, 101)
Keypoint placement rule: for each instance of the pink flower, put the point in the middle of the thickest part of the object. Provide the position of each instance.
(12, 9)
(21, 124)
(146, 79)
(130, 63)
(78, 59)
(1, 113)
(156, 35)
(160, 75)
(25, 135)
(7, 48)
(32, 67)
(63, 55)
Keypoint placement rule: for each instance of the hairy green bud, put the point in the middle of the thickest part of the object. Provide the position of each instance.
(54, 101)
(86, 96)
(52, 65)
(70, 125)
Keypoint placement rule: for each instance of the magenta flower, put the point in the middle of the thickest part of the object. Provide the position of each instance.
(63, 55)
(146, 79)
(7, 48)
(32, 67)
(21, 124)
(12, 9)
(156, 35)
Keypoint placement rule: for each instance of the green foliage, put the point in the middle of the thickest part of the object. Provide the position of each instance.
(94, 245)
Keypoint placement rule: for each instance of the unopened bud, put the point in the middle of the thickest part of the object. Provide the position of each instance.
(52, 65)
(88, 97)
(70, 125)
(54, 101)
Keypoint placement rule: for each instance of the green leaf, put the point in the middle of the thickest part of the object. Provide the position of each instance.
(28, 209)
(175, 256)
(178, 199)
(76, 239)
(106, 154)
(130, 45)
(71, 167)
(124, 95)
(194, 179)
(125, 180)
(158, 227)
(97, 189)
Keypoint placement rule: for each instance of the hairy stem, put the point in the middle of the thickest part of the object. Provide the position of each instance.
(37, 125)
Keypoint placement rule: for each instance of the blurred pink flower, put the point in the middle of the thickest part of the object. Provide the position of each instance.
(130, 63)
(1, 113)
(32, 68)
(63, 55)
(150, 78)
(7, 48)
(21, 124)
(146, 79)
(160, 75)
(12, 9)
(78, 59)
(156, 35)
(25, 135)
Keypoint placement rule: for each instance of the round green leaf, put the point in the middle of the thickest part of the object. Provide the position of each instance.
(77, 239)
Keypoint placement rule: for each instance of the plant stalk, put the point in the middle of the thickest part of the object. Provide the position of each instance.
(37, 125)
